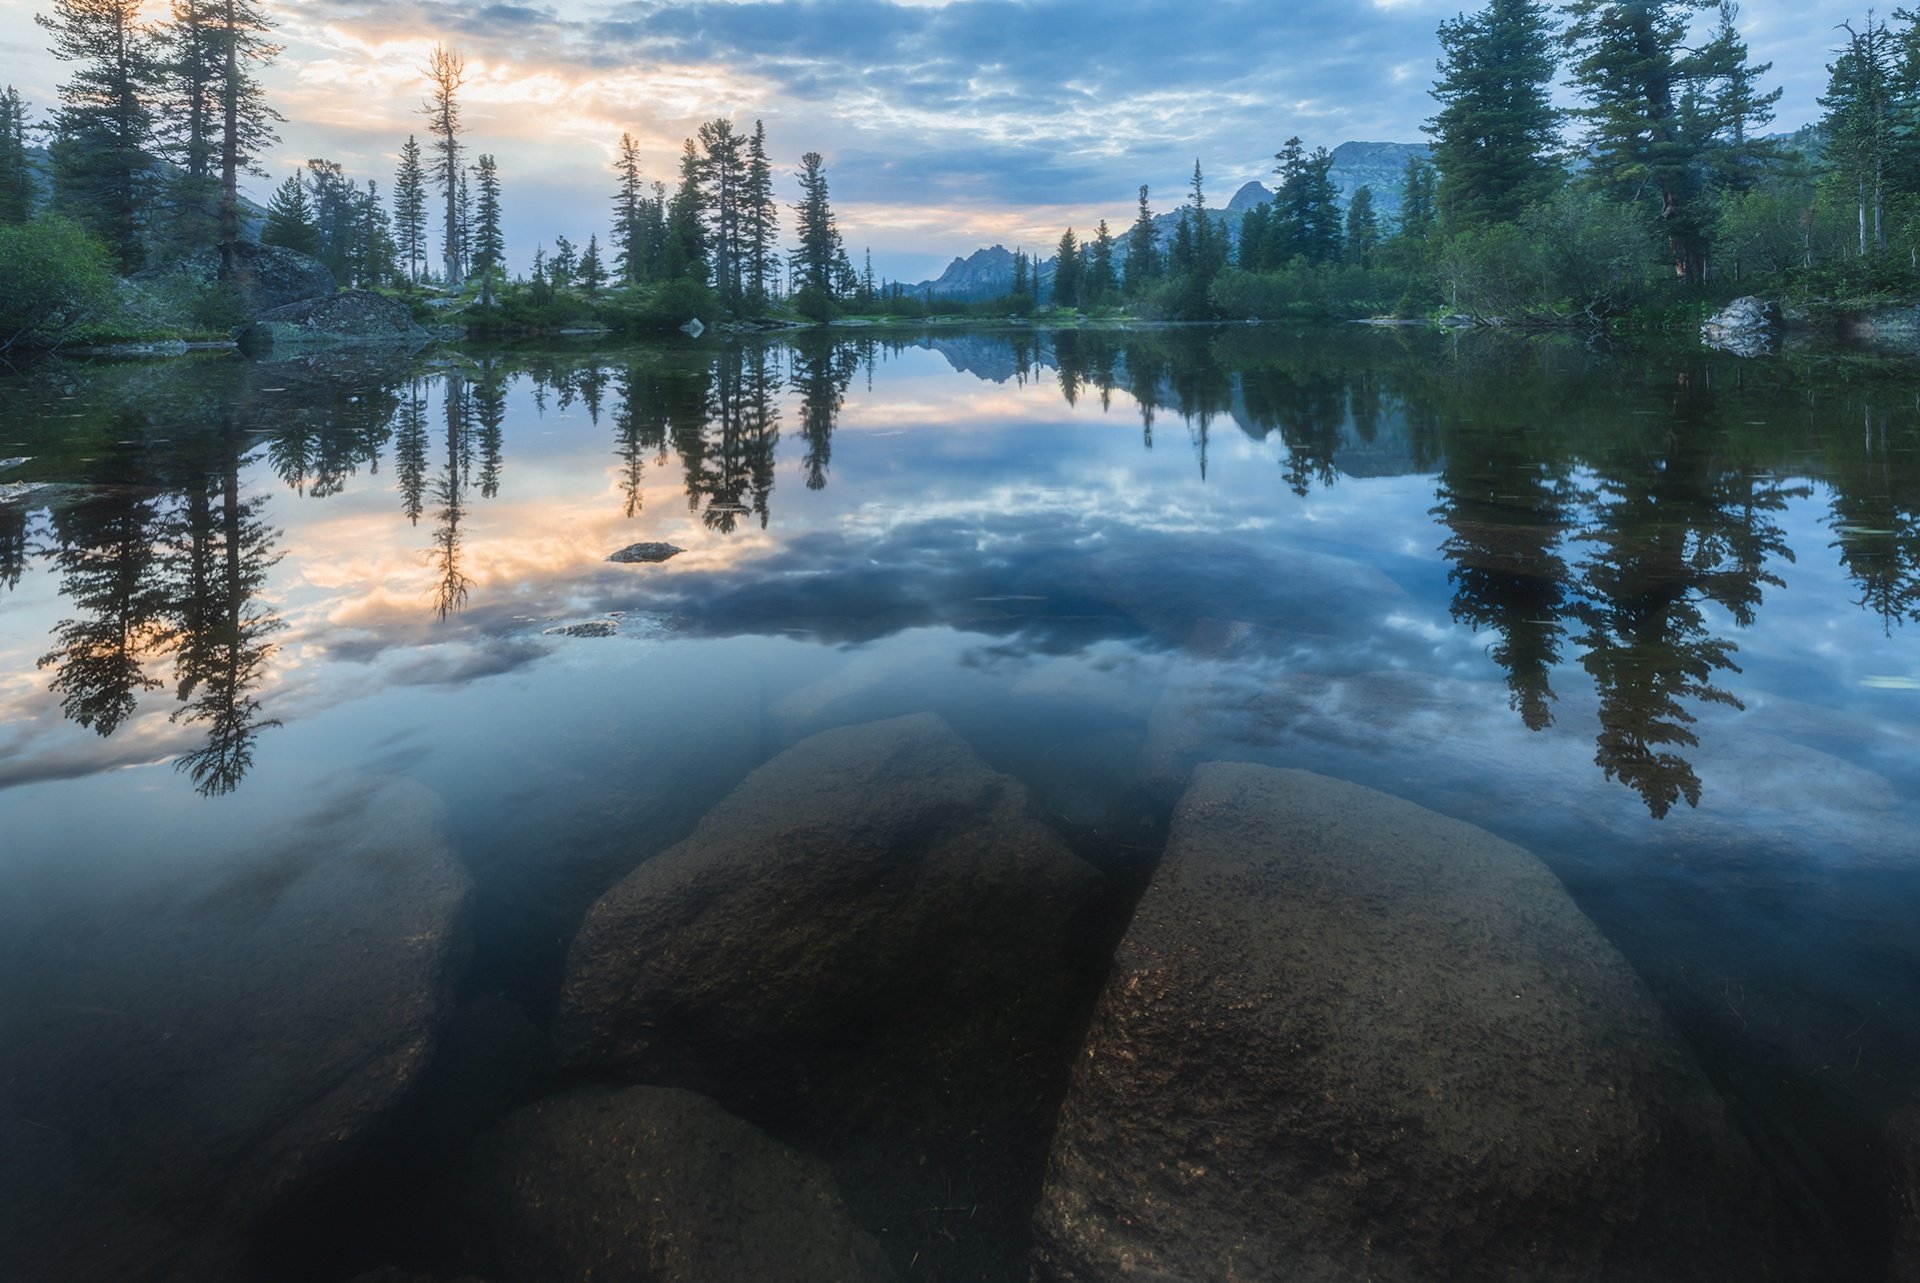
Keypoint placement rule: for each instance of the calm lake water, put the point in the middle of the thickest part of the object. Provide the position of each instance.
(1654, 616)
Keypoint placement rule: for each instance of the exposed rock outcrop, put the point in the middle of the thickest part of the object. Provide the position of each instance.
(1347, 1038)
(356, 318)
(264, 277)
(195, 1058)
(651, 1185)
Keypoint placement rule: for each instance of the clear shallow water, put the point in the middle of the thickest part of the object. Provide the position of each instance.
(1652, 616)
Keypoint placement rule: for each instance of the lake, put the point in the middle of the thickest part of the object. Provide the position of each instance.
(1651, 614)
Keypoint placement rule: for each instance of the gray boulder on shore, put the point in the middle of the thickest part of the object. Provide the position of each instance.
(355, 318)
(1348, 1039)
(1745, 327)
(650, 1185)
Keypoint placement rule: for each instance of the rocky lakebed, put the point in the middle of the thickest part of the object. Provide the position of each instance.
(874, 1019)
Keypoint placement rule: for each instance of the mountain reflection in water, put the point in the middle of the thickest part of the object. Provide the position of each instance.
(1630, 524)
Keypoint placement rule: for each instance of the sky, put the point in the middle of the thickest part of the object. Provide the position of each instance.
(946, 125)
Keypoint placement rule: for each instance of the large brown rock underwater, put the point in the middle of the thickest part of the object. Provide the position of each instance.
(1345, 1038)
(872, 949)
(180, 1062)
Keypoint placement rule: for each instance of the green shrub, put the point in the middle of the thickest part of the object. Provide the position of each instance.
(55, 279)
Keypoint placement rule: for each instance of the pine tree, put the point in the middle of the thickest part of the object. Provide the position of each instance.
(1739, 154)
(1418, 210)
(410, 210)
(592, 274)
(630, 253)
(1497, 130)
(1629, 61)
(103, 163)
(489, 242)
(723, 170)
(561, 267)
(762, 218)
(819, 239)
(1066, 271)
(1143, 253)
(16, 178)
(241, 38)
(463, 227)
(446, 71)
(1363, 227)
(1863, 123)
(1098, 286)
(685, 257)
(290, 222)
(1305, 222)
(188, 111)
(378, 258)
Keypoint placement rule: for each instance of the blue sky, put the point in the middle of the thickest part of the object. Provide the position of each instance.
(946, 125)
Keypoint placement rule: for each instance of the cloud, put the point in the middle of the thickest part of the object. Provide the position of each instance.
(943, 124)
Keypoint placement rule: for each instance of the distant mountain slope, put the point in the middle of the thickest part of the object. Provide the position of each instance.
(988, 273)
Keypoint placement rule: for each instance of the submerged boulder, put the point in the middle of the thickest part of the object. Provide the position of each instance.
(183, 1061)
(873, 914)
(356, 318)
(650, 1185)
(1347, 1038)
(1903, 1165)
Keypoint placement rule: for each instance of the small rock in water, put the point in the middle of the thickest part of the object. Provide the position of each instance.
(12, 463)
(693, 328)
(585, 628)
(646, 552)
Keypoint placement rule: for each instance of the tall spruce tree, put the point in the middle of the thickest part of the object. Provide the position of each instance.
(723, 172)
(103, 163)
(16, 176)
(593, 274)
(685, 256)
(630, 252)
(242, 37)
(446, 71)
(1419, 210)
(1363, 226)
(819, 247)
(1143, 250)
(188, 111)
(761, 219)
(1497, 130)
(1865, 123)
(410, 210)
(290, 222)
(489, 241)
(1099, 285)
(1739, 154)
(1066, 271)
(1629, 61)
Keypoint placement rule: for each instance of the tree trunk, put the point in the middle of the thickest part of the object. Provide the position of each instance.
(1863, 215)
(230, 145)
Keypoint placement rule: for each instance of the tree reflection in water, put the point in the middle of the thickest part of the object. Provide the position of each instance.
(1621, 529)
